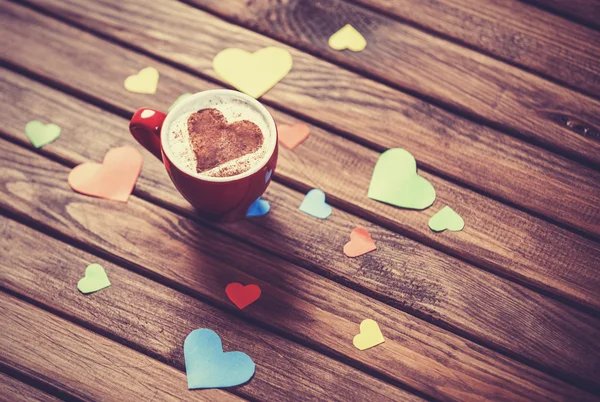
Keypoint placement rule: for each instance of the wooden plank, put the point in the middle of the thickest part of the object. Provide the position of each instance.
(584, 11)
(361, 108)
(85, 364)
(296, 302)
(512, 31)
(14, 390)
(417, 279)
(530, 253)
(159, 318)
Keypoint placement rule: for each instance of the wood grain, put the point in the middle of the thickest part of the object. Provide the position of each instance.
(156, 319)
(586, 11)
(510, 30)
(403, 273)
(296, 302)
(365, 110)
(534, 252)
(85, 364)
(14, 390)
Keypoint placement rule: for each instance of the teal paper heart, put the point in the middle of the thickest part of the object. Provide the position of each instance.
(207, 366)
(258, 208)
(314, 204)
(446, 218)
(395, 181)
(41, 134)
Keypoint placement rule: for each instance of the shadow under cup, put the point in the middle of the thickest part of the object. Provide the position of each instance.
(222, 199)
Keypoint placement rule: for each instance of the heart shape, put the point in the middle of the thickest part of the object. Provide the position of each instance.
(144, 82)
(314, 204)
(215, 141)
(93, 280)
(253, 73)
(370, 335)
(395, 181)
(41, 134)
(347, 38)
(114, 179)
(360, 243)
(179, 99)
(292, 136)
(207, 366)
(242, 296)
(258, 208)
(446, 218)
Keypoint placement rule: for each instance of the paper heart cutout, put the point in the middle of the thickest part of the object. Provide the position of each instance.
(242, 296)
(114, 179)
(370, 335)
(93, 280)
(258, 208)
(207, 366)
(253, 73)
(360, 243)
(179, 99)
(144, 82)
(347, 38)
(314, 204)
(446, 218)
(396, 181)
(292, 136)
(41, 134)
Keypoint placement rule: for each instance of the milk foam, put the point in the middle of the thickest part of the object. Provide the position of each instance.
(233, 110)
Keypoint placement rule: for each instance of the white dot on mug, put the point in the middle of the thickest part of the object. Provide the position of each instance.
(268, 175)
(147, 113)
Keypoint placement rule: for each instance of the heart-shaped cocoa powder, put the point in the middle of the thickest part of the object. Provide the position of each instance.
(215, 141)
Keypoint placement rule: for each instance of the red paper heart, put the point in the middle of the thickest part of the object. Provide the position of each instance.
(360, 243)
(113, 179)
(241, 295)
(292, 136)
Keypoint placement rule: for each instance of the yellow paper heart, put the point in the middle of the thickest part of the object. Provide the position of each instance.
(347, 38)
(370, 335)
(144, 82)
(253, 73)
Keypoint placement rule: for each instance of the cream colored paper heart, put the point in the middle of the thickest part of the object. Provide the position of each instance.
(94, 279)
(144, 82)
(253, 73)
(370, 335)
(347, 38)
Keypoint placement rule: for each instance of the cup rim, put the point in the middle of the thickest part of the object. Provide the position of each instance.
(175, 112)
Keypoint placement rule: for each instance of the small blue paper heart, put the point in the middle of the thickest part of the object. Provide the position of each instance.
(258, 208)
(314, 204)
(207, 366)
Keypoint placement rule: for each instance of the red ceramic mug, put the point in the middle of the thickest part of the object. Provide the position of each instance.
(223, 199)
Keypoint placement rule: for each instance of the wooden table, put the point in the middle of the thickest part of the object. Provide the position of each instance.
(499, 102)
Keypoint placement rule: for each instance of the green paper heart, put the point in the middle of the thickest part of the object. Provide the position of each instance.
(95, 279)
(395, 181)
(446, 218)
(41, 134)
(181, 97)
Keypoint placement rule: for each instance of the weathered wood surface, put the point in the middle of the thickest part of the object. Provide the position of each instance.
(156, 319)
(14, 390)
(510, 30)
(535, 252)
(419, 280)
(358, 107)
(294, 301)
(585, 11)
(84, 364)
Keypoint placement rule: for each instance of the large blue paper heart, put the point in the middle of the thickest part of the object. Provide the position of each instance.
(207, 366)
(314, 204)
(258, 208)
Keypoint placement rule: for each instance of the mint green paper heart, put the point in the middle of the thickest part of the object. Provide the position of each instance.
(41, 134)
(95, 279)
(446, 218)
(181, 97)
(395, 181)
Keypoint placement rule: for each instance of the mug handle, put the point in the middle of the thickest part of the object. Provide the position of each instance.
(145, 126)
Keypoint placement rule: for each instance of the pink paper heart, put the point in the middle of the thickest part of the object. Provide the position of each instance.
(360, 243)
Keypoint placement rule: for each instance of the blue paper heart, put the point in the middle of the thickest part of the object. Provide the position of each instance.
(207, 366)
(258, 208)
(314, 204)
